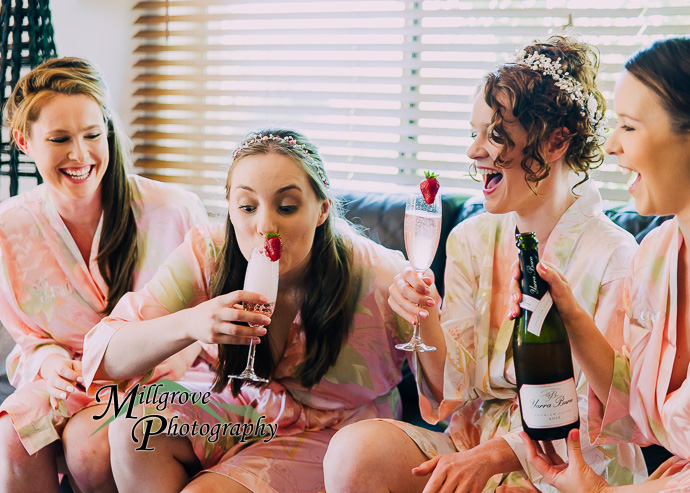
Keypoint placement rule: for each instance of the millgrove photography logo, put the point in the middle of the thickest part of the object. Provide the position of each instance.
(160, 395)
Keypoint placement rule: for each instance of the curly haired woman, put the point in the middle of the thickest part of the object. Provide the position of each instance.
(536, 127)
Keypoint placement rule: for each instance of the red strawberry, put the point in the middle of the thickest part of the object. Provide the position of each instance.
(429, 187)
(273, 246)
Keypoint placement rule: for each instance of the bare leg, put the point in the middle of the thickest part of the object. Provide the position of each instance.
(87, 456)
(21, 472)
(214, 483)
(356, 456)
(167, 468)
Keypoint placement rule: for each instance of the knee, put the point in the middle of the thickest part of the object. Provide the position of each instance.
(87, 456)
(353, 453)
(11, 447)
(123, 436)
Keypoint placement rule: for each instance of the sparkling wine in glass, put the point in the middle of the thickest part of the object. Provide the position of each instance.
(422, 232)
(261, 277)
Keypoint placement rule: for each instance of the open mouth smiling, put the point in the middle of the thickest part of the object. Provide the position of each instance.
(77, 174)
(492, 178)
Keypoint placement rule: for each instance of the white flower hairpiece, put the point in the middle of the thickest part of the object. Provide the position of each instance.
(589, 107)
(289, 141)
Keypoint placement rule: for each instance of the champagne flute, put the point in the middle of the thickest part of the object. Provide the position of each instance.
(261, 277)
(422, 232)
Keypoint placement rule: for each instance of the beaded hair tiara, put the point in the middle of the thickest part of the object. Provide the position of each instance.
(288, 141)
(589, 107)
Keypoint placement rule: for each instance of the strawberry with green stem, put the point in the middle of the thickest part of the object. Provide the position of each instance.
(273, 246)
(429, 187)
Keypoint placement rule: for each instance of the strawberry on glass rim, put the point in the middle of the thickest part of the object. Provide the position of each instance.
(273, 246)
(429, 187)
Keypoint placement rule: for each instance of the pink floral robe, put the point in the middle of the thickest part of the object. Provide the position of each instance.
(479, 395)
(50, 298)
(360, 385)
(639, 408)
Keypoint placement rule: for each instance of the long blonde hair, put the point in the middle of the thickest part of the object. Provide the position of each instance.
(117, 249)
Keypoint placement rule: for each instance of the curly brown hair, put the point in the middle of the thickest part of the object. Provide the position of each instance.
(541, 108)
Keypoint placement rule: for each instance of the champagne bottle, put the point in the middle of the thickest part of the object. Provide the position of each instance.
(541, 352)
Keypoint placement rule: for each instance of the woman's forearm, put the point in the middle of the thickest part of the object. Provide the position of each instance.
(593, 353)
(433, 362)
(137, 347)
(651, 486)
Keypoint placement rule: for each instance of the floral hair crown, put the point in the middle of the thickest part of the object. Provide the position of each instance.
(288, 141)
(589, 107)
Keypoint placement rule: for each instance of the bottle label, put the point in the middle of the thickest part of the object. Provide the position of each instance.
(539, 308)
(550, 405)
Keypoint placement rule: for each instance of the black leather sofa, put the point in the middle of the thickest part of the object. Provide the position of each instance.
(382, 217)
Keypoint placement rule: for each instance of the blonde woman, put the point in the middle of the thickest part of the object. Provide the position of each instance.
(69, 249)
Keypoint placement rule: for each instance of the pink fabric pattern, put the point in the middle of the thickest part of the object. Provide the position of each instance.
(640, 408)
(50, 298)
(479, 395)
(360, 385)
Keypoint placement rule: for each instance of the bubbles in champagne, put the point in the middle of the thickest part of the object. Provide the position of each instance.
(422, 232)
(262, 276)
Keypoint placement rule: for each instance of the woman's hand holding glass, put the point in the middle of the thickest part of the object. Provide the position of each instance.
(411, 294)
(223, 320)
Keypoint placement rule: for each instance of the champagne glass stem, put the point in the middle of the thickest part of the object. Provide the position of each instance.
(251, 356)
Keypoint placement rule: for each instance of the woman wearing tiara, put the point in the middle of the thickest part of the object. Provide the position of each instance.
(536, 127)
(328, 348)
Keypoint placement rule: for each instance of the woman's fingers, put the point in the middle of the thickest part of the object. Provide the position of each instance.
(59, 387)
(552, 454)
(68, 372)
(426, 467)
(417, 282)
(557, 282)
(408, 311)
(239, 296)
(535, 454)
(407, 301)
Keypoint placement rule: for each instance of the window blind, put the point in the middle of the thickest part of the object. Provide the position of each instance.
(384, 88)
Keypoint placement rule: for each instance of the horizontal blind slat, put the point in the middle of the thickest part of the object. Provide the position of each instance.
(383, 87)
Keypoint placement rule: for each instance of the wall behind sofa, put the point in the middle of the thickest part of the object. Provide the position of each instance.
(100, 30)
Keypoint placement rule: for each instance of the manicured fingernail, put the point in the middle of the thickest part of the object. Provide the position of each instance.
(543, 267)
(69, 388)
(423, 313)
(63, 396)
(515, 297)
(430, 302)
(80, 379)
(427, 291)
(262, 330)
